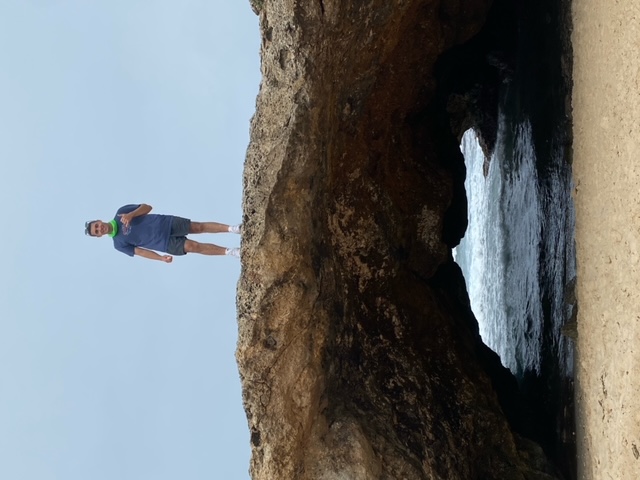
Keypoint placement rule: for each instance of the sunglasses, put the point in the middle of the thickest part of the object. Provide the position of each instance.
(87, 227)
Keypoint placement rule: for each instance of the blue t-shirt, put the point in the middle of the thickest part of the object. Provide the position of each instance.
(149, 231)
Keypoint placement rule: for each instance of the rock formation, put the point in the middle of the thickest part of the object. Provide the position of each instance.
(358, 353)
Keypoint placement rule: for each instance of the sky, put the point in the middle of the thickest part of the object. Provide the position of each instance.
(114, 367)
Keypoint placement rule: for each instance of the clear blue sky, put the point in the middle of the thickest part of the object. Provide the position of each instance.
(114, 367)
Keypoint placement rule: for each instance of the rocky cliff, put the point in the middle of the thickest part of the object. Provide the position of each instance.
(358, 352)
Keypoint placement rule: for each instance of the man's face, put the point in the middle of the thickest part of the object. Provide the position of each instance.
(99, 228)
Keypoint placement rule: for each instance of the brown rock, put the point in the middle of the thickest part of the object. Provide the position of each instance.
(358, 353)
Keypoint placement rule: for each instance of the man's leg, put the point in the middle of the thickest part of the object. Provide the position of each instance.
(191, 246)
(208, 227)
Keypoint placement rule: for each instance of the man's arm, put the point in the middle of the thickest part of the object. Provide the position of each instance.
(142, 209)
(151, 255)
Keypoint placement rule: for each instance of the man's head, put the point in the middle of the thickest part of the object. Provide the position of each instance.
(96, 228)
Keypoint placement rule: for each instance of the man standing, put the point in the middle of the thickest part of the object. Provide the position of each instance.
(137, 232)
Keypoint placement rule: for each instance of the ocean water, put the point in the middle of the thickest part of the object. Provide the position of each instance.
(518, 252)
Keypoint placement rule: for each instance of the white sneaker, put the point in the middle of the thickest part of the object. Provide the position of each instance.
(234, 252)
(236, 229)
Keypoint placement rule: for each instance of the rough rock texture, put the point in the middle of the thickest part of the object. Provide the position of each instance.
(358, 353)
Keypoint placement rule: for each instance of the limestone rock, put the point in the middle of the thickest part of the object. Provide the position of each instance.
(358, 353)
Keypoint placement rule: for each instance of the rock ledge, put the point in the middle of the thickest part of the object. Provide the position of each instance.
(358, 352)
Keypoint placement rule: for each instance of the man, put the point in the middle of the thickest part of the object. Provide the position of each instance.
(136, 232)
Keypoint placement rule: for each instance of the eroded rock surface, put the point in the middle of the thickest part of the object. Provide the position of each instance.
(358, 353)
